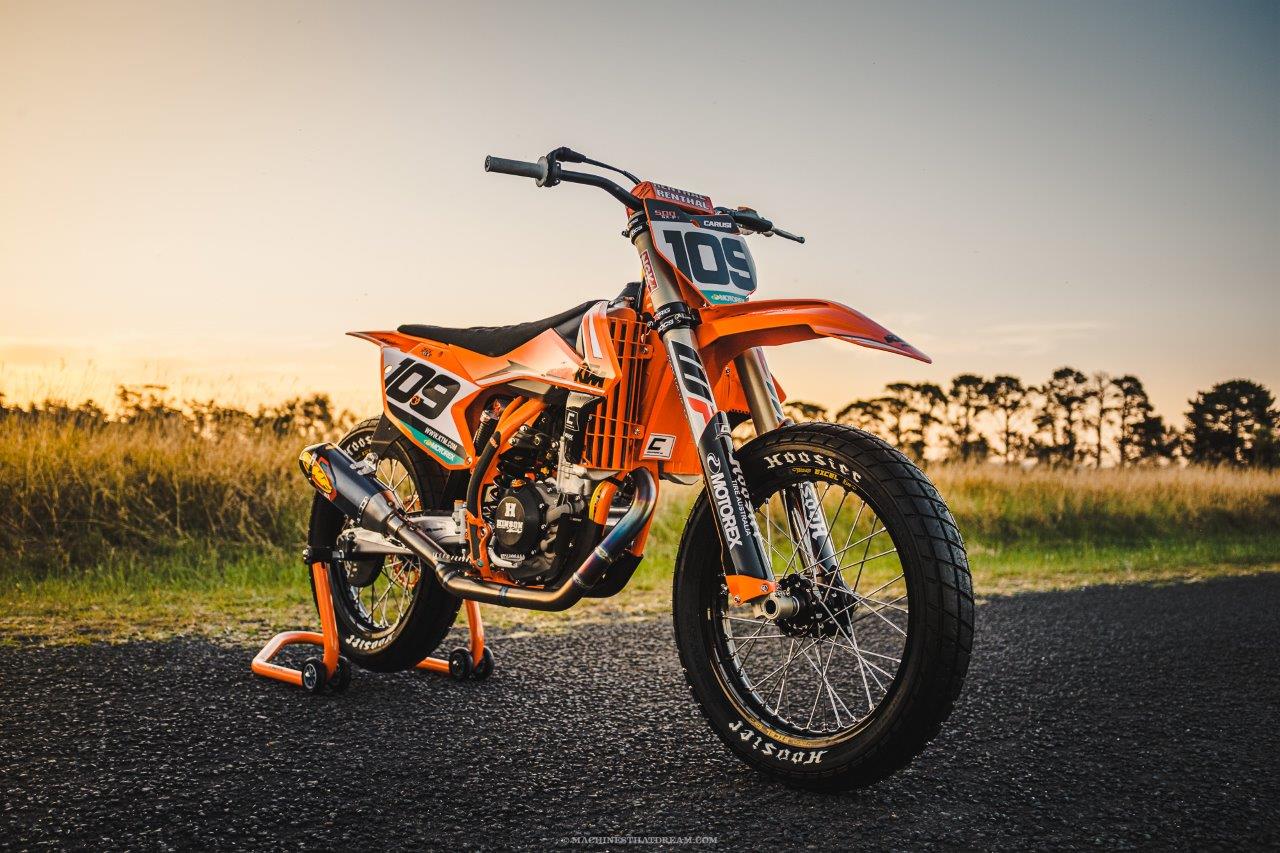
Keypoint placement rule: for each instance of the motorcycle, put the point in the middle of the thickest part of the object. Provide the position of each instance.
(822, 602)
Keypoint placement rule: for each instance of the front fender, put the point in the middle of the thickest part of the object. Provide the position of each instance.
(727, 330)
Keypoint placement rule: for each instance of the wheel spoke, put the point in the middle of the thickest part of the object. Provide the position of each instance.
(863, 564)
(840, 670)
(861, 668)
(757, 635)
(832, 695)
(817, 693)
(383, 601)
(882, 617)
(782, 688)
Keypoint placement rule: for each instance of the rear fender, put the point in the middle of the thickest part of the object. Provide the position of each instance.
(426, 393)
(728, 330)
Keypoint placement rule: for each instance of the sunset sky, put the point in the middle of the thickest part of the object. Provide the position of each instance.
(209, 195)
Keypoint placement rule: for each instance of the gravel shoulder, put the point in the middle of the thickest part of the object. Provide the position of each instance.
(1109, 717)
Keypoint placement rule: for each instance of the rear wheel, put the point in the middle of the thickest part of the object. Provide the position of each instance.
(391, 613)
(855, 684)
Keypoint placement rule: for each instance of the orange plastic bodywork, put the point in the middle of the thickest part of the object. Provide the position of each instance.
(327, 639)
(727, 330)
(443, 356)
(546, 359)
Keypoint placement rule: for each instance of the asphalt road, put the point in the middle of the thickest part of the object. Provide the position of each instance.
(1132, 717)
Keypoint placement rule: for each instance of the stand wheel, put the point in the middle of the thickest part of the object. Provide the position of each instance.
(341, 679)
(314, 675)
(484, 669)
(460, 666)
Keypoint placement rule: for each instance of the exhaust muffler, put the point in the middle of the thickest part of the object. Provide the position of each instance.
(351, 487)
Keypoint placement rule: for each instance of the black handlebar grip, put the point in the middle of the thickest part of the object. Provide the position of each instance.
(520, 168)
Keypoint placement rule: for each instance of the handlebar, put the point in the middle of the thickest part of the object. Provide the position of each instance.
(547, 172)
(603, 183)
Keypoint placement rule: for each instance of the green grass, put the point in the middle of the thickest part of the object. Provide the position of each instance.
(125, 531)
(238, 594)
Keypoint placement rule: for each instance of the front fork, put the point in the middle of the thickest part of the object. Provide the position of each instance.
(805, 518)
(750, 574)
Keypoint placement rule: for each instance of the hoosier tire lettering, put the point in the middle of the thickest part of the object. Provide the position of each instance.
(770, 749)
(823, 465)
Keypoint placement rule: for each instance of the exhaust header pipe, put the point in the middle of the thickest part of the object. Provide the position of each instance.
(351, 487)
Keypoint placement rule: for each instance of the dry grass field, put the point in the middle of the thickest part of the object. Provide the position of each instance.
(128, 530)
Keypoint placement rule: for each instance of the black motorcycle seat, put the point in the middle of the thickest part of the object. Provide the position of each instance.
(495, 341)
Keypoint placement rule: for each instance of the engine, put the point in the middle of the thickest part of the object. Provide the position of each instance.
(533, 524)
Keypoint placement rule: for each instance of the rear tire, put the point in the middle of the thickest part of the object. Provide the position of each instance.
(425, 610)
(733, 675)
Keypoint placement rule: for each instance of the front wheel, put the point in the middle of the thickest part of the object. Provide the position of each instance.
(854, 685)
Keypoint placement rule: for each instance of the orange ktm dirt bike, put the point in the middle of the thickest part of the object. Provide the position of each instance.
(822, 601)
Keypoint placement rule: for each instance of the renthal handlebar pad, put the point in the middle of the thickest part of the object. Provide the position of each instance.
(520, 168)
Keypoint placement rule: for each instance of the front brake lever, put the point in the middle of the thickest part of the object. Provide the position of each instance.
(748, 216)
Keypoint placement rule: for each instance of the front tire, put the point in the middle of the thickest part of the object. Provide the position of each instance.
(878, 660)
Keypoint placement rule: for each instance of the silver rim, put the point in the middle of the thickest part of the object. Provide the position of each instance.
(823, 681)
(384, 602)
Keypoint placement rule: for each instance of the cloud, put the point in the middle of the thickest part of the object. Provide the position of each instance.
(1021, 339)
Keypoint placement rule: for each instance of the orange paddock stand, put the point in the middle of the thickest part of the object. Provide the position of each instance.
(332, 671)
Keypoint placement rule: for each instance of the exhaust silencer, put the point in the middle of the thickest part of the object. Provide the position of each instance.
(351, 487)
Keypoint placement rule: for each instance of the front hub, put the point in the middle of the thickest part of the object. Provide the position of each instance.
(825, 611)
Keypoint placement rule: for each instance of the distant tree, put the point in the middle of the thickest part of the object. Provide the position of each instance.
(864, 414)
(1152, 441)
(919, 407)
(1266, 448)
(138, 404)
(894, 411)
(307, 416)
(803, 410)
(212, 419)
(1099, 405)
(1059, 420)
(967, 401)
(1233, 423)
(904, 415)
(1140, 434)
(1007, 400)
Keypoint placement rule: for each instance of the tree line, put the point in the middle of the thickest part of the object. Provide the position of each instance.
(311, 417)
(1071, 419)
